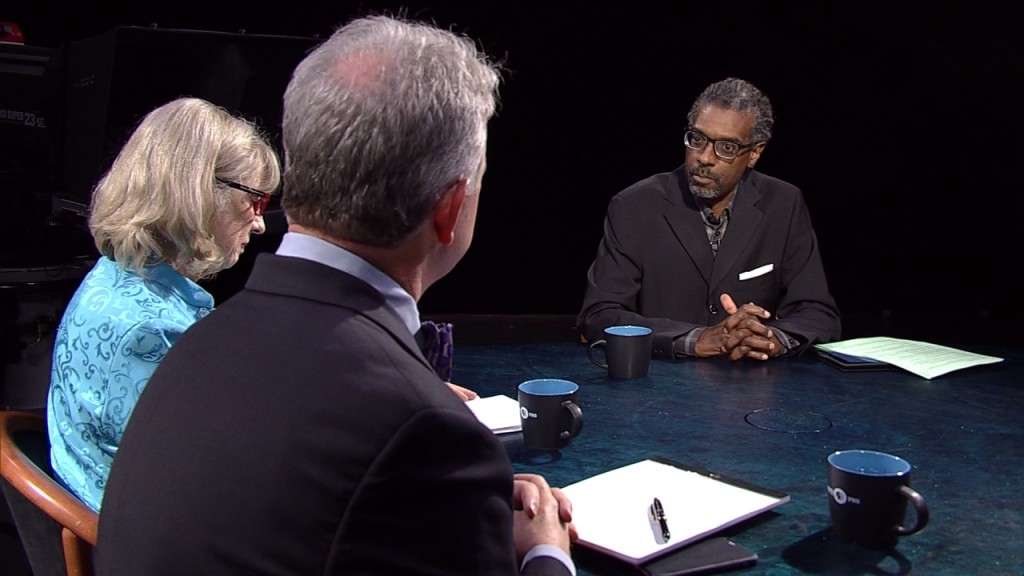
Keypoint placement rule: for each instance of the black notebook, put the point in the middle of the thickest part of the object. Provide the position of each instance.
(708, 556)
(850, 362)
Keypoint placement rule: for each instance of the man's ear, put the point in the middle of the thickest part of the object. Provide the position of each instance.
(755, 154)
(446, 213)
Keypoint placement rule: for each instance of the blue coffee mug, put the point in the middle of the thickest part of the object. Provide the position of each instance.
(868, 494)
(627, 351)
(549, 413)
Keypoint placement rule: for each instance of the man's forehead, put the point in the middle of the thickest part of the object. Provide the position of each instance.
(718, 122)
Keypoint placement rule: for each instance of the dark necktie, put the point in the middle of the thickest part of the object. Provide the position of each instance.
(435, 341)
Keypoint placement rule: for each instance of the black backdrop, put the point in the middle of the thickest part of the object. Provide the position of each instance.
(901, 121)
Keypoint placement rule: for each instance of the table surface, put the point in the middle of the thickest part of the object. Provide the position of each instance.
(962, 432)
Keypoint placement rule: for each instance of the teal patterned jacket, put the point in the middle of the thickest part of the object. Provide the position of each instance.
(116, 329)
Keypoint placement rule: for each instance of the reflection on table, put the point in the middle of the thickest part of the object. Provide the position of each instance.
(774, 423)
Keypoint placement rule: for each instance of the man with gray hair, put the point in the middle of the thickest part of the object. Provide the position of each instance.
(298, 429)
(667, 262)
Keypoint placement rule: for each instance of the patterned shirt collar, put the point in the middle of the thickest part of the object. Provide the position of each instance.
(166, 276)
(715, 227)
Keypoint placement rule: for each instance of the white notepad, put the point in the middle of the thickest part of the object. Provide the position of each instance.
(499, 413)
(610, 510)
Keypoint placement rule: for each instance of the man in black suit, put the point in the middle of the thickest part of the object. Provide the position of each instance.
(298, 429)
(667, 261)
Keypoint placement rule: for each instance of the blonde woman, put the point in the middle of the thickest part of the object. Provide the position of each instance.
(178, 205)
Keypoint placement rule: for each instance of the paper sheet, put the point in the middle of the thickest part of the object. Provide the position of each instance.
(921, 358)
(499, 413)
(610, 510)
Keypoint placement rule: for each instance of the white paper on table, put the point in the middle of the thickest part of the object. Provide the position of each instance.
(921, 358)
(499, 413)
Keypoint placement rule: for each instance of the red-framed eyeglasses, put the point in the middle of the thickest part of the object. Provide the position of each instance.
(260, 199)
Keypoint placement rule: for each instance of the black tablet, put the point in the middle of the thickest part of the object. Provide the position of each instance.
(851, 362)
(709, 556)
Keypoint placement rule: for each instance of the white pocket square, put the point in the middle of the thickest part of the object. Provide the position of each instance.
(759, 271)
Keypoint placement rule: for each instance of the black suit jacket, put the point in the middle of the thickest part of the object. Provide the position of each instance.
(298, 430)
(655, 268)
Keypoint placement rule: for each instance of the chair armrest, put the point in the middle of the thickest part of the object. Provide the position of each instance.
(36, 484)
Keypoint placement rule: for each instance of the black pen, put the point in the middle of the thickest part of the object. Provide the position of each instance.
(658, 513)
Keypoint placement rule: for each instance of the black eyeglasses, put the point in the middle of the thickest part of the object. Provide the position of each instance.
(260, 201)
(724, 149)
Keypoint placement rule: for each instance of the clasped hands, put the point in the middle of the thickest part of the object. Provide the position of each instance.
(541, 515)
(742, 335)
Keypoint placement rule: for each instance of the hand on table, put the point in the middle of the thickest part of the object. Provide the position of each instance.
(464, 394)
(541, 515)
(741, 335)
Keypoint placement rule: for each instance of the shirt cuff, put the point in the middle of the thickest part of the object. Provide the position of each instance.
(686, 345)
(788, 344)
(551, 551)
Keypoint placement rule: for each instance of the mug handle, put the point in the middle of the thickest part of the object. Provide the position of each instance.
(918, 502)
(575, 423)
(590, 353)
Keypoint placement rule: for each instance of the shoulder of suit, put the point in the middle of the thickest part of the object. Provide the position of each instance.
(770, 184)
(654, 186)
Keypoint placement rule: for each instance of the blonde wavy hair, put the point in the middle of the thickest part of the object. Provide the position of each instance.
(158, 200)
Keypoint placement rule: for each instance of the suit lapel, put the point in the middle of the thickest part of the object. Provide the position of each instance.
(743, 220)
(683, 217)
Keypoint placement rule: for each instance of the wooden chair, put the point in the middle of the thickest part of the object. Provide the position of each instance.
(51, 520)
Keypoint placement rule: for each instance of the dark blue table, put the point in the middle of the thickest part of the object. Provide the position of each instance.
(963, 433)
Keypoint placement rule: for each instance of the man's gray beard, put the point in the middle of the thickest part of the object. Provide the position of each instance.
(706, 193)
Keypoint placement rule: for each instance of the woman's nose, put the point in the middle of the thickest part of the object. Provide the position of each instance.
(258, 225)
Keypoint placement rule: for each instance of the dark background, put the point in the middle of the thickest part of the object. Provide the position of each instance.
(902, 122)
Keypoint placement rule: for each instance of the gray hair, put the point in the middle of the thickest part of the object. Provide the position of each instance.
(742, 96)
(159, 198)
(378, 121)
